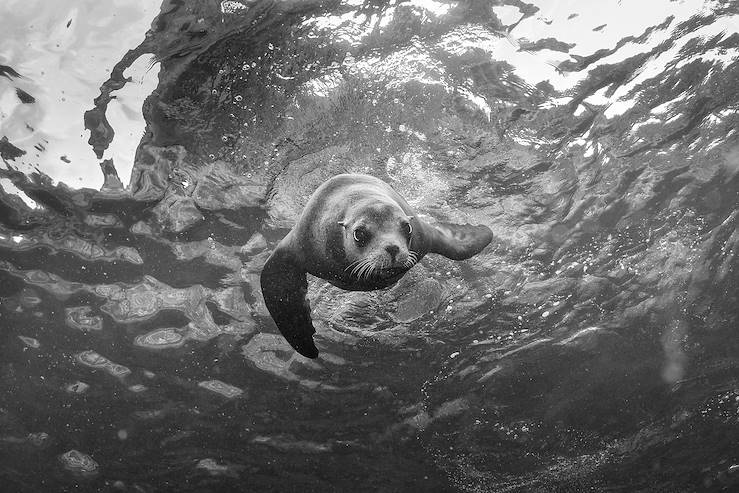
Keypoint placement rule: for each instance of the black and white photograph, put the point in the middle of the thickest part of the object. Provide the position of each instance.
(381, 246)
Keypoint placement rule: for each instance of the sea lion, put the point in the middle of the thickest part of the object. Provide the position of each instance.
(359, 234)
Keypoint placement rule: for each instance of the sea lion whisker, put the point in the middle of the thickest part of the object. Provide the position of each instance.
(366, 270)
(356, 266)
(360, 264)
(362, 268)
(369, 273)
(371, 270)
(353, 264)
(412, 259)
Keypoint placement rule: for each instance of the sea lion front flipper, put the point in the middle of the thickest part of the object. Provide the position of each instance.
(284, 287)
(457, 241)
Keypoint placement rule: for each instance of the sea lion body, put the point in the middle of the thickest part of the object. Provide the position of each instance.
(359, 234)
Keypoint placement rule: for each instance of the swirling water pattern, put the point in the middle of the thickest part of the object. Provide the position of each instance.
(592, 347)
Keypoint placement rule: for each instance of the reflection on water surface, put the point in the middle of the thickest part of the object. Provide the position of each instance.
(148, 175)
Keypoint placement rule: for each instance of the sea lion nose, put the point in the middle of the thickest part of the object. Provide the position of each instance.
(392, 250)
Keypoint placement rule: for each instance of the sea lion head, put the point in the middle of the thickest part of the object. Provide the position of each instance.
(377, 239)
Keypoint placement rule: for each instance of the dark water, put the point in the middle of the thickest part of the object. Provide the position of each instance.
(592, 347)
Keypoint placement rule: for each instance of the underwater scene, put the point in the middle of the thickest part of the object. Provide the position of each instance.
(156, 153)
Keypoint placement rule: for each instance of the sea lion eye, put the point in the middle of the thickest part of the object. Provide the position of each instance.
(408, 228)
(361, 235)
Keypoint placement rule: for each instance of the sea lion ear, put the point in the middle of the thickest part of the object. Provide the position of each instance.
(284, 287)
(342, 224)
(456, 241)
